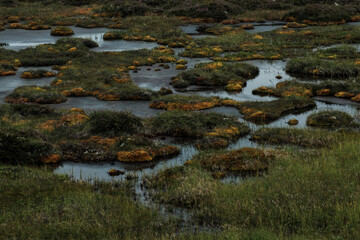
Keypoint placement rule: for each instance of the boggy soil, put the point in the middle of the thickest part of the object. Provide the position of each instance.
(177, 111)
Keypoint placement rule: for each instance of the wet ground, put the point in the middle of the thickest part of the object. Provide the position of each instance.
(147, 77)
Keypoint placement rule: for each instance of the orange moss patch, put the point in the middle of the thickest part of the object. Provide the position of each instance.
(62, 31)
(51, 159)
(108, 97)
(114, 172)
(234, 86)
(73, 119)
(182, 61)
(344, 95)
(257, 36)
(7, 73)
(134, 156)
(285, 31)
(30, 75)
(49, 125)
(295, 25)
(166, 59)
(184, 106)
(230, 22)
(245, 159)
(73, 49)
(293, 122)
(15, 26)
(229, 103)
(230, 132)
(164, 152)
(297, 91)
(247, 26)
(356, 98)
(78, 110)
(76, 92)
(264, 91)
(105, 142)
(323, 92)
(180, 67)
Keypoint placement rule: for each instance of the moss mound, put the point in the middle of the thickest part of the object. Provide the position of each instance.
(61, 31)
(217, 74)
(330, 119)
(34, 94)
(105, 122)
(193, 124)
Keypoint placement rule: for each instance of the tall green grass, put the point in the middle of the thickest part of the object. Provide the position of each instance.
(303, 194)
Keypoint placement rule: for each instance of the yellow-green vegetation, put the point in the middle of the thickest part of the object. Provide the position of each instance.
(303, 195)
(37, 204)
(293, 136)
(331, 119)
(233, 76)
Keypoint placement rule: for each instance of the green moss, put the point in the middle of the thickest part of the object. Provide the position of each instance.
(244, 160)
(192, 124)
(105, 122)
(330, 119)
(34, 94)
(322, 68)
(216, 74)
(264, 112)
(292, 136)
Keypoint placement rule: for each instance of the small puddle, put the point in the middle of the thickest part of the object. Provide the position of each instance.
(9, 83)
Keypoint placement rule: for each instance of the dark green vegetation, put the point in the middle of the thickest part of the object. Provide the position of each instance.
(233, 76)
(36, 134)
(323, 68)
(79, 71)
(34, 94)
(335, 62)
(114, 122)
(341, 89)
(331, 119)
(151, 29)
(196, 125)
(275, 44)
(265, 112)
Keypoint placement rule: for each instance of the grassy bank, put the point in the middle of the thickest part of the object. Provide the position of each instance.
(303, 195)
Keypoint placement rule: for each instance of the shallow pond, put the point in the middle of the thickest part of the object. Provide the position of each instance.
(17, 39)
(147, 77)
(9, 83)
